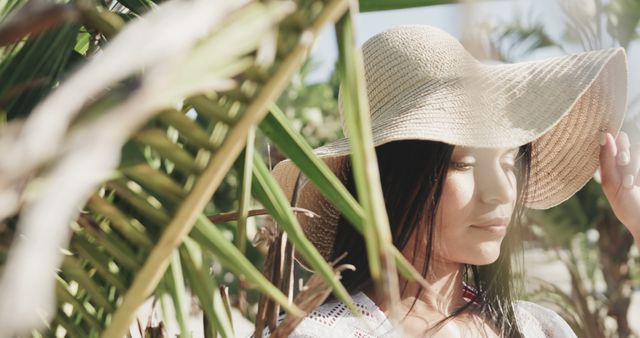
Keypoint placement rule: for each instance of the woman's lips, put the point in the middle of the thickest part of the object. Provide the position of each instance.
(493, 228)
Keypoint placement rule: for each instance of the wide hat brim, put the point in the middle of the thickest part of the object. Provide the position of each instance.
(560, 105)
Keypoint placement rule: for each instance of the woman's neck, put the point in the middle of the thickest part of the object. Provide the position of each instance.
(442, 295)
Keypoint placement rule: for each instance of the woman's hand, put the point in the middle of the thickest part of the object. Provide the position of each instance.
(620, 173)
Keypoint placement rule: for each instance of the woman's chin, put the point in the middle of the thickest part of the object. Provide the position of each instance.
(473, 253)
(484, 254)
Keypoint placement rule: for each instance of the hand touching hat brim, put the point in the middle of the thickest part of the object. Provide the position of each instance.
(620, 177)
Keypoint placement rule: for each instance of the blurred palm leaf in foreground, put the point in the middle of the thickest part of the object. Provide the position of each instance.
(120, 119)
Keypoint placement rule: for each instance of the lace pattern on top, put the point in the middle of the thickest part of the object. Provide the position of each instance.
(333, 320)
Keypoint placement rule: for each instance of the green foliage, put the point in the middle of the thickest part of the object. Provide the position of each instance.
(576, 215)
(143, 232)
(517, 39)
(383, 5)
(31, 70)
(583, 307)
(312, 108)
(623, 17)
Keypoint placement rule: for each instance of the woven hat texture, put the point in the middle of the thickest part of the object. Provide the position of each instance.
(422, 84)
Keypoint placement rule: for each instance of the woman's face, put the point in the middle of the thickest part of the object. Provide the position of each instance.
(478, 199)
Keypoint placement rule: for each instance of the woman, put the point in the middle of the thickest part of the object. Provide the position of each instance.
(462, 147)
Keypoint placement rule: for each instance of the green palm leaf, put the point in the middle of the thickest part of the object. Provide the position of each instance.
(162, 129)
(384, 5)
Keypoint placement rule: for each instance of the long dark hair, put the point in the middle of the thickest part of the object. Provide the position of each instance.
(412, 177)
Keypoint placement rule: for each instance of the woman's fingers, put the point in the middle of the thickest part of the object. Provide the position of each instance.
(634, 165)
(628, 160)
(608, 167)
(633, 168)
(622, 144)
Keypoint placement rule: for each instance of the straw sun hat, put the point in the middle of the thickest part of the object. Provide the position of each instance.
(423, 85)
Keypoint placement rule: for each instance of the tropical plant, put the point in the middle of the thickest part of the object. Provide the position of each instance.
(121, 119)
(581, 234)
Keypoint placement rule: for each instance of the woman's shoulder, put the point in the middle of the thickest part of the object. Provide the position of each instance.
(538, 321)
(334, 316)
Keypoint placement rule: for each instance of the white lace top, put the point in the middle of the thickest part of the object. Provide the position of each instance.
(333, 320)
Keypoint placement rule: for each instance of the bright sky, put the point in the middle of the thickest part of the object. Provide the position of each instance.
(450, 18)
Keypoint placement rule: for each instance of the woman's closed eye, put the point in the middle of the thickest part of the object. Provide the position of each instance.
(461, 165)
(468, 165)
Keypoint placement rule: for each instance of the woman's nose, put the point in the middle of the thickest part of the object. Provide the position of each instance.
(497, 185)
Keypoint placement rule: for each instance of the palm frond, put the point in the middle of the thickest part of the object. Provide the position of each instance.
(121, 159)
(384, 5)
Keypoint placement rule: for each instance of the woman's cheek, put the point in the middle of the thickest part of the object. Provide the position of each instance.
(458, 192)
(452, 218)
